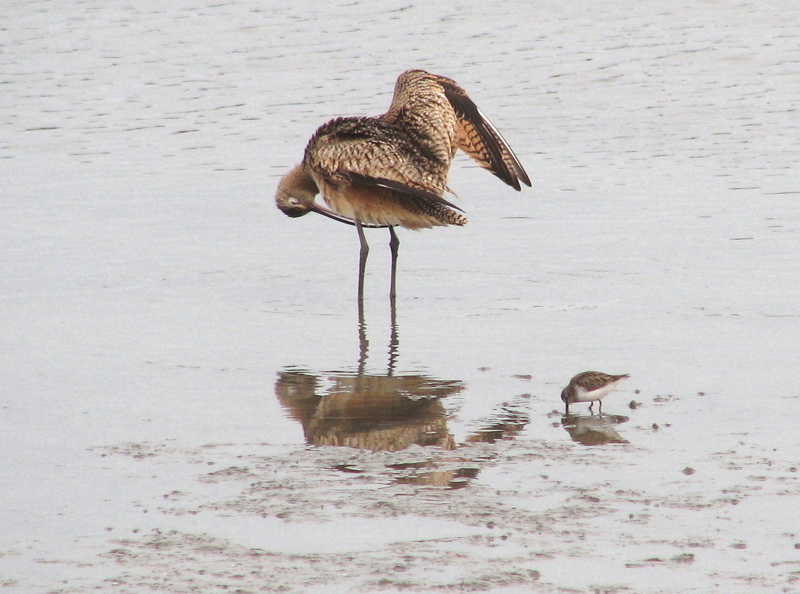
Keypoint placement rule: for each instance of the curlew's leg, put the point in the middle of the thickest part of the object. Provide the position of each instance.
(363, 343)
(394, 244)
(394, 341)
(362, 262)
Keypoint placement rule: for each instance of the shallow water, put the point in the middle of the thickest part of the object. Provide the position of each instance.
(190, 403)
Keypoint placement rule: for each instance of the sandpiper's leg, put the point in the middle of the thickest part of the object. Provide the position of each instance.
(394, 244)
(600, 407)
(591, 404)
(362, 262)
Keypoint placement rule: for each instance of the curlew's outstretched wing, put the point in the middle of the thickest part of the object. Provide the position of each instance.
(478, 137)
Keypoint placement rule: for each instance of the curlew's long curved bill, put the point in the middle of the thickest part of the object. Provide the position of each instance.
(319, 209)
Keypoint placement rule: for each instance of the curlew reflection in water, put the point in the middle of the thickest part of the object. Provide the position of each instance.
(594, 430)
(368, 411)
(372, 411)
(391, 412)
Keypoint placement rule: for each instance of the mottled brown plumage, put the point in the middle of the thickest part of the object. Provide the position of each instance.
(369, 170)
(590, 386)
(392, 170)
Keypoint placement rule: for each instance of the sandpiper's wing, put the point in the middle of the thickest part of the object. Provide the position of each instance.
(478, 137)
(373, 152)
(594, 380)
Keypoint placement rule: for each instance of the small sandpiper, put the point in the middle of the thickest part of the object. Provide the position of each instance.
(590, 386)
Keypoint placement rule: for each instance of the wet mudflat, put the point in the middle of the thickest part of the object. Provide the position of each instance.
(190, 403)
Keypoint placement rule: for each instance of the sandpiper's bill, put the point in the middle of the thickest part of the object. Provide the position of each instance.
(589, 386)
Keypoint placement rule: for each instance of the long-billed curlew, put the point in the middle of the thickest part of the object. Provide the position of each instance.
(590, 386)
(392, 169)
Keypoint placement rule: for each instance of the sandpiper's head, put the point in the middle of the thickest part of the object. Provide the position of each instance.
(296, 192)
(565, 395)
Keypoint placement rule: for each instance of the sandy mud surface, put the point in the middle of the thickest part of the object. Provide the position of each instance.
(502, 511)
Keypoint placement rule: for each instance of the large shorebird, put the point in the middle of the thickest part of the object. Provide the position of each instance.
(391, 170)
(591, 387)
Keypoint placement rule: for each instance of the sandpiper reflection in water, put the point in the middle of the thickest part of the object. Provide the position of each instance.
(594, 430)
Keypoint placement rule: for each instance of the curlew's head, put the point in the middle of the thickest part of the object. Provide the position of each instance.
(296, 192)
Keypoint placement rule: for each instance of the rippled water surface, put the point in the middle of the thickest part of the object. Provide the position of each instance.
(191, 403)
